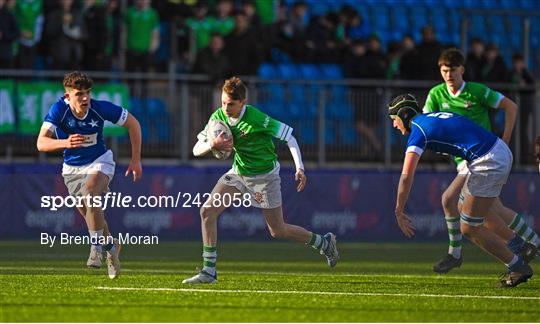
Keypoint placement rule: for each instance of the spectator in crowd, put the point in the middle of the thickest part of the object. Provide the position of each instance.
(66, 31)
(323, 44)
(142, 23)
(291, 30)
(475, 60)
(242, 48)
(376, 62)
(212, 60)
(495, 69)
(102, 25)
(428, 54)
(9, 32)
(520, 75)
(30, 18)
(251, 13)
(394, 60)
(356, 27)
(355, 65)
(201, 25)
(409, 63)
(224, 22)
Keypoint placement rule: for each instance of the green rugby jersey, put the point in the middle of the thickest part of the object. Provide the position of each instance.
(28, 12)
(473, 100)
(252, 136)
(140, 27)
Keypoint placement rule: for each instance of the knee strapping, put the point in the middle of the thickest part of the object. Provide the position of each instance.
(472, 221)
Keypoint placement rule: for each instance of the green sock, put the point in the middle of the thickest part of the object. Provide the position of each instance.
(209, 259)
(317, 242)
(454, 235)
(521, 228)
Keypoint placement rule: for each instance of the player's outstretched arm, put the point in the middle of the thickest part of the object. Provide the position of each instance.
(135, 137)
(404, 189)
(47, 143)
(299, 176)
(510, 112)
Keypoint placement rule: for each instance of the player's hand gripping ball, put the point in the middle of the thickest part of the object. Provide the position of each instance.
(215, 130)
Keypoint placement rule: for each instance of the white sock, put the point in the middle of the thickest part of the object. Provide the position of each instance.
(96, 235)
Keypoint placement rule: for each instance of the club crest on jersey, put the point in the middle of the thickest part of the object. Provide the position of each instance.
(242, 133)
(468, 104)
(71, 122)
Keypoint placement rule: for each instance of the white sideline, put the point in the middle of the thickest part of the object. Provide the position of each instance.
(299, 292)
(271, 273)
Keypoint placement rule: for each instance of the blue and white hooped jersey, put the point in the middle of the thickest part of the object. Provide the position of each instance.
(451, 134)
(60, 119)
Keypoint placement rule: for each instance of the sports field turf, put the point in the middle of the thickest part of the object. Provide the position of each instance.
(260, 282)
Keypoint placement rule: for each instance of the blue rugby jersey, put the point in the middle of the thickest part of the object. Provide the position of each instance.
(60, 119)
(451, 134)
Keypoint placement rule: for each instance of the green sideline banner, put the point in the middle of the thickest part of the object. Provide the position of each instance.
(7, 111)
(36, 98)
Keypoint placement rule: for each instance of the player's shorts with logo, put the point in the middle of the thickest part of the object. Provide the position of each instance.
(489, 173)
(75, 177)
(264, 189)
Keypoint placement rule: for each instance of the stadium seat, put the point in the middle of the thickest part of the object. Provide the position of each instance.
(307, 133)
(400, 18)
(288, 71)
(267, 71)
(347, 133)
(331, 71)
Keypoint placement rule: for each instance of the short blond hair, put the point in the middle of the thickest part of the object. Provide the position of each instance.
(235, 88)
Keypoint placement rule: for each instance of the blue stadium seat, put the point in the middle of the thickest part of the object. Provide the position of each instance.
(288, 71)
(330, 133)
(137, 109)
(307, 132)
(419, 17)
(347, 134)
(400, 18)
(380, 17)
(331, 71)
(280, 56)
(267, 71)
(309, 71)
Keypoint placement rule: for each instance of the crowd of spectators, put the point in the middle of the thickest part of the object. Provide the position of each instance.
(223, 37)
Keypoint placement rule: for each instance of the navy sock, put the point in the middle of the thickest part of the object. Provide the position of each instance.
(516, 244)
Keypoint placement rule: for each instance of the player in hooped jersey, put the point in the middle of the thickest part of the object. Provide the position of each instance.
(489, 161)
(88, 164)
(474, 101)
(255, 171)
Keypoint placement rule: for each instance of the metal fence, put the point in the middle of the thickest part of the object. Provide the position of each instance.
(340, 122)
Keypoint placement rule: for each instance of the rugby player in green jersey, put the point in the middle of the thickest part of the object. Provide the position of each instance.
(255, 172)
(474, 100)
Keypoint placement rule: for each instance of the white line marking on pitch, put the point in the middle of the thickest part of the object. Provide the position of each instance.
(299, 292)
(273, 273)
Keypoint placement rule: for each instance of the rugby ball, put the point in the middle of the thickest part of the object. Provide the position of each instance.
(215, 128)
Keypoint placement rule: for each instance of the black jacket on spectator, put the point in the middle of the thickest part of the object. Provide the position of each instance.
(242, 52)
(409, 66)
(9, 32)
(65, 40)
(473, 67)
(215, 65)
(428, 56)
(495, 71)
